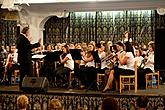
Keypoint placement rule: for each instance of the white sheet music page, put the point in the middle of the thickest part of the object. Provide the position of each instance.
(38, 56)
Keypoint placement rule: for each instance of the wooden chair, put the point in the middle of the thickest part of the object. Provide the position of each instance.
(149, 81)
(129, 80)
(71, 76)
(16, 73)
(99, 80)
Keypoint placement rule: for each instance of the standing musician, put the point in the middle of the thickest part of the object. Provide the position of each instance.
(11, 63)
(62, 72)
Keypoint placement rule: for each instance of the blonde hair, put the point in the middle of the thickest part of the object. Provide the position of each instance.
(55, 104)
(22, 102)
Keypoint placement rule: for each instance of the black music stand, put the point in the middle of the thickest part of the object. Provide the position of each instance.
(50, 63)
(35, 58)
(97, 66)
(52, 56)
(76, 55)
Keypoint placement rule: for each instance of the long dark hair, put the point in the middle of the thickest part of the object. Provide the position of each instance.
(129, 47)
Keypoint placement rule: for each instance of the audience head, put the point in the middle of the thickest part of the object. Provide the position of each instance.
(55, 104)
(22, 102)
(109, 104)
(142, 102)
(80, 108)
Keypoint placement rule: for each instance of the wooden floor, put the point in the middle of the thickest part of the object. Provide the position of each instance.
(154, 92)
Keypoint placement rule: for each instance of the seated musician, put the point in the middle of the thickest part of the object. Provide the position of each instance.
(138, 57)
(126, 64)
(87, 74)
(11, 63)
(148, 63)
(62, 72)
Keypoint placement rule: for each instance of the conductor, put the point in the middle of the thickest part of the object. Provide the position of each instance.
(25, 54)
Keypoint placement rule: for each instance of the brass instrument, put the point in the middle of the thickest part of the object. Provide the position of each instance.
(108, 57)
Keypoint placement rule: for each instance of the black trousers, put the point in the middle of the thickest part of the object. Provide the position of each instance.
(10, 71)
(62, 74)
(25, 69)
(121, 71)
(141, 77)
(87, 75)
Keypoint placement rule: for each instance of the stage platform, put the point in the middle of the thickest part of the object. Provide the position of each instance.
(153, 91)
(72, 98)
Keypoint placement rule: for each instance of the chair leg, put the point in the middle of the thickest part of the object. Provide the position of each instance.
(120, 84)
(129, 83)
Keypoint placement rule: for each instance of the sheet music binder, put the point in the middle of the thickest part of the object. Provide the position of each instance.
(76, 54)
(52, 56)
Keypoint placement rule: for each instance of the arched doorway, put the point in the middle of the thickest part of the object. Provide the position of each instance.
(55, 30)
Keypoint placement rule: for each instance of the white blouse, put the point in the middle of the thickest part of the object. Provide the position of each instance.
(104, 63)
(70, 62)
(150, 61)
(139, 60)
(130, 61)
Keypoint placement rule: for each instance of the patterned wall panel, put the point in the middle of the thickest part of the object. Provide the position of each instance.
(55, 30)
(8, 34)
(82, 26)
(110, 25)
(104, 25)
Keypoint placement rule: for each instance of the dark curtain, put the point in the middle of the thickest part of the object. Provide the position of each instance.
(104, 25)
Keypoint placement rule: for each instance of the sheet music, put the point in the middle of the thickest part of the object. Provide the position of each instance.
(38, 56)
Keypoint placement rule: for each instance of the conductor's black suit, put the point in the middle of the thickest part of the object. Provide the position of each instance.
(25, 56)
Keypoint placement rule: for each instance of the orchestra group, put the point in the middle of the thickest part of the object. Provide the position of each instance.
(111, 59)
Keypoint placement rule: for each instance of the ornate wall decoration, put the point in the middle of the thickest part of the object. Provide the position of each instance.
(110, 25)
(82, 26)
(8, 34)
(55, 30)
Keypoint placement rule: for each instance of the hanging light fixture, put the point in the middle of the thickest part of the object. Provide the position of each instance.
(161, 11)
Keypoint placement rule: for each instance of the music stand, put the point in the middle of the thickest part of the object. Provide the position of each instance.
(97, 66)
(76, 54)
(52, 56)
(35, 58)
